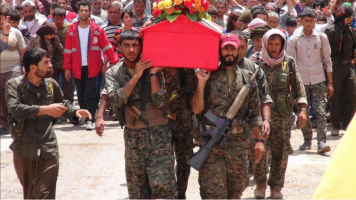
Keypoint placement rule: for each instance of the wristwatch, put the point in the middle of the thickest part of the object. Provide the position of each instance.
(266, 119)
(6, 34)
(260, 140)
(153, 74)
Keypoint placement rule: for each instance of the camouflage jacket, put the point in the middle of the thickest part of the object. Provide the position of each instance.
(38, 138)
(263, 90)
(219, 97)
(285, 86)
(116, 78)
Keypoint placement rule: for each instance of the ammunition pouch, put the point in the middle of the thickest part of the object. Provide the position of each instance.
(154, 115)
(282, 80)
(16, 126)
(282, 105)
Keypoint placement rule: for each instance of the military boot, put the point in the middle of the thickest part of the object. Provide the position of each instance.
(276, 194)
(306, 145)
(260, 191)
(335, 132)
(323, 148)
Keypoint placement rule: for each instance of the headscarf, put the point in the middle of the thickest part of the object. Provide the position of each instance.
(271, 4)
(343, 12)
(47, 28)
(255, 22)
(265, 55)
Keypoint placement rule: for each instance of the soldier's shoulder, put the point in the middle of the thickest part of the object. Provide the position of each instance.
(16, 81)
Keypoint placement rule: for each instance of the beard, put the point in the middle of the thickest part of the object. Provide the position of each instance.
(30, 17)
(43, 74)
(226, 62)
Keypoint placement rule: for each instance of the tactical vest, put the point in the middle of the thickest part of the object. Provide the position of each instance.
(279, 86)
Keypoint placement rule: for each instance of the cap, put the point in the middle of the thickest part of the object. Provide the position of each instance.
(27, 2)
(246, 16)
(229, 38)
(259, 31)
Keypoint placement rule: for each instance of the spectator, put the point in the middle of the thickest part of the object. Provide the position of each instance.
(97, 11)
(342, 41)
(273, 20)
(251, 3)
(291, 25)
(59, 16)
(271, 7)
(69, 15)
(140, 17)
(39, 9)
(213, 13)
(15, 23)
(221, 7)
(113, 25)
(9, 60)
(127, 17)
(31, 21)
(96, 19)
(130, 6)
(320, 27)
(85, 42)
(54, 5)
(244, 20)
(260, 13)
(46, 39)
(262, 2)
(105, 5)
(19, 8)
(256, 34)
(233, 21)
(321, 19)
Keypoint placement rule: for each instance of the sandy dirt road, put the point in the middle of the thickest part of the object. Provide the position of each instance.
(94, 168)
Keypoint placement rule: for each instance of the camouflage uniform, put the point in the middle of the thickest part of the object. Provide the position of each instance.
(224, 174)
(281, 79)
(182, 140)
(149, 161)
(319, 98)
(263, 90)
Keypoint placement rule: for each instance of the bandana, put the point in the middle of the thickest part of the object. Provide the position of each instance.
(265, 55)
(255, 22)
(343, 12)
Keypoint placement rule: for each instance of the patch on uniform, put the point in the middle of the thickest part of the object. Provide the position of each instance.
(51, 87)
(95, 40)
(284, 65)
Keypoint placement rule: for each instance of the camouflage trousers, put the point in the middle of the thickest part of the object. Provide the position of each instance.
(183, 148)
(149, 163)
(319, 96)
(224, 174)
(280, 147)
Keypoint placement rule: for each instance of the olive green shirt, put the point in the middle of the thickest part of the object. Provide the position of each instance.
(38, 137)
(57, 59)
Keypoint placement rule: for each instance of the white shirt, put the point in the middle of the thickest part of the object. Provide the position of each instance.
(29, 24)
(84, 37)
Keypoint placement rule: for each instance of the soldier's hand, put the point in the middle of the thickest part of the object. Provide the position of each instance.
(83, 113)
(68, 74)
(203, 75)
(259, 151)
(99, 126)
(141, 66)
(266, 129)
(56, 110)
(302, 119)
(156, 69)
(330, 90)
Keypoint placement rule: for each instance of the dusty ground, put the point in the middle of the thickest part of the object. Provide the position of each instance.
(94, 168)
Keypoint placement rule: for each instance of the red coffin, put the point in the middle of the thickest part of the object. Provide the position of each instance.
(181, 43)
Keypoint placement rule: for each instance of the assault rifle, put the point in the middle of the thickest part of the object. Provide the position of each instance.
(222, 125)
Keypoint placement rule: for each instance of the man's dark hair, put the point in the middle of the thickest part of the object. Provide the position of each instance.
(5, 9)
(130, 35)
(221, 1)
(18, 7)
(33, 57)
(124, 12)
(308, 13)
(291, 21)
(256, 7)
(259, 12)
(275, 36)
(55, 5)
(212, 10)
(318, 3)
(140, 1)
(85, 3)
(60, 12)
(322, 18)
(241, 35)
(14, 15)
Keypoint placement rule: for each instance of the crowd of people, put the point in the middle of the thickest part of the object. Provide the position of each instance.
(303, 53)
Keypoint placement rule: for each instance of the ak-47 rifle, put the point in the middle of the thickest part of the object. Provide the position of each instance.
(138, 114)
(222, 125)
